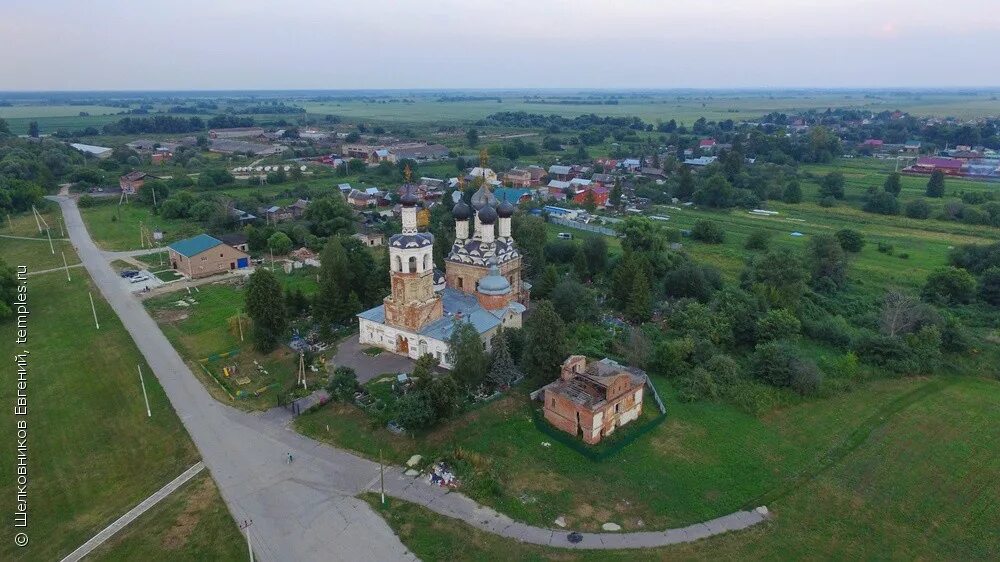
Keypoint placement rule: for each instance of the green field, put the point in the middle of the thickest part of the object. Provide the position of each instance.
(208, 327)
(191, 524)
(117, 228)
(920, 486)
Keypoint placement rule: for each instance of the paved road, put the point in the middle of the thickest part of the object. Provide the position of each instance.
(306, 510)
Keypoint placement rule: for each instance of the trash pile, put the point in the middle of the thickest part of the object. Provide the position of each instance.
(443, 476)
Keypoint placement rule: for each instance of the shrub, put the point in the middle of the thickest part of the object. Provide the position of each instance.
(851, 240)
(343, 384)
(832, 185)
(708, 231)
(758, 240)
(805, 376)
(752, 397)
(778, 324)
(883, 203)
(827, 202)
(918, 209)
(724, 369)
(886, 248)
(989, 286)
(697, 384)
(885, 351)
(792, 193)
(86, 201)
(949, 285)
(772, 363)
(834, 330)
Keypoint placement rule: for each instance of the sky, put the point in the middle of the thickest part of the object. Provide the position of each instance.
(366, 44)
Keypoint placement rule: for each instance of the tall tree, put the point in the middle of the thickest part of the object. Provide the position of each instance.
(502, 371)
(472, 136)
(334, 284)
(265, 304)
(580, 267)
(935, 185)
(640, 300)
(595, 250)
(548, 281)
(469, 362)
(616, 193)
(545, 345)
(33, 129)
(893, 183)
(685, 183)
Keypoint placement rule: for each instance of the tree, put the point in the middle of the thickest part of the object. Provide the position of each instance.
(279, 243)
(918, 209)
(689, 281)
(792, 192)
(989, 286)
(545, 345)
(334, 284)
(777, 277)
(4, 128)
(548, 281)
(949, 285)
(33, 131)
(615, 197)
(758, 240)
(265, 304)
(708, 231)
(502, 371)
(778, 324)
(595, 250)
(343, 384)
(883, 203)
(330, 216)
(935, 185)
(574, 302)
(472, 136)
(415, 411)
(716, 192)
(466, 355)
(901, 314)
(827, 260)
(893, 183)
(640, 300)
(580, 267)
(850, 240)
(685, 184)
(832, 185)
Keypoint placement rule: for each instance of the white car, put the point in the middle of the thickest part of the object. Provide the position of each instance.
(138, 278)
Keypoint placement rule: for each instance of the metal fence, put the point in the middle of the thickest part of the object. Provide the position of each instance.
(581, 226)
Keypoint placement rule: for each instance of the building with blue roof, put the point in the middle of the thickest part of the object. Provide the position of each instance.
(204, 255)
(481, 287)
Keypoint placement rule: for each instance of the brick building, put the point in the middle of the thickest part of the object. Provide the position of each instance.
(593, 398)
(204, 255)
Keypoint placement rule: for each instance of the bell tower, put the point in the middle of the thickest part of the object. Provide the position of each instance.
(412, 302)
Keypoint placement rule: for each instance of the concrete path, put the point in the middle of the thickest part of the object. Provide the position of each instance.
(307, 509)
(63, 269)
(134, 513)
(12, 237)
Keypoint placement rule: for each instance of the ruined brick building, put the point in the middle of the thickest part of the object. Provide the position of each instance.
(593, 398)
(481, 283)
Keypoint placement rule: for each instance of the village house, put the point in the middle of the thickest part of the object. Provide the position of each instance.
(370, 238)
(603, 180)
(421, 152)
(235, 133)
(593, 398)
(561, 173)
(99, 152)
(517, 177)
(237, 240)
(204, 255)
(298, 208)
(362, 199)
(132, 182)
(706, 145)
(599, 195)
(275, 214)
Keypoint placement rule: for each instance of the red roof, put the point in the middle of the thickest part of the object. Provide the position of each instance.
(939, 162)
(872, 142)
(706, 142)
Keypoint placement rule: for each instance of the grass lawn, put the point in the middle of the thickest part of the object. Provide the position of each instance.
(94, 454)
(168, 275)
(190, 524)
(122, 233)
(706, 460)
(921, 486)
(209, 327)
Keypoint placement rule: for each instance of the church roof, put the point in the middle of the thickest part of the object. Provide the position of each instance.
(415, 240)
(456, 304)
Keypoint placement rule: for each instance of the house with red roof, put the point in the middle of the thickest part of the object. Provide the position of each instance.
(600, 195)
(707, 144)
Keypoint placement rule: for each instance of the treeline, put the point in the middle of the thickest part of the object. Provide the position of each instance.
(168, 124)
(555, 123)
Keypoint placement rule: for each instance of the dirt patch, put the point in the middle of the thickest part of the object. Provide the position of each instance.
(539, 481)
(170, 316)
(671, 438)
(199, 499)
(590, 514)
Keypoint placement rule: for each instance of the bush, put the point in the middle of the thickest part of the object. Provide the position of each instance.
(832, 185)
(758, 240)
(883, 203)
(696, 385)
(918, 209)
(827, 202)
(792, 193)
(86, 201)
(708, 231)
(724, 369)
(343, 384)
(989, 286)
(885, 351)
(851, 240)
(752, 397)
(778, 324)
(772, 363)
(834, 330)
(805, 376)
(949, 285)
(886, 248)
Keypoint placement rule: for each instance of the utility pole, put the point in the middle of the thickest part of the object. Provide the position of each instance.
(245, 526)
(302, 370)
(94, 310)
(66, 266)
(144, 396)
(35, 213)
(239, 322)
(51, 247)
(62, 229)
(381, 475)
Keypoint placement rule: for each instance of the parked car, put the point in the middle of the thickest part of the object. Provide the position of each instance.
(565, 236)
(138, 278)
(128, 273)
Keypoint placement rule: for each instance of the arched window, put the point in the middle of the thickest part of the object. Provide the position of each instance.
(413, 264)
(427, 261)
(399, 264)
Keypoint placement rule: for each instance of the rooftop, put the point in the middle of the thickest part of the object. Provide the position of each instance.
(195, 245)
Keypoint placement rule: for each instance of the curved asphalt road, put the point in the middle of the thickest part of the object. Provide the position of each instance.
(306, 510)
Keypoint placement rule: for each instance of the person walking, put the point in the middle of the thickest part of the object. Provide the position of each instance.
(289, 458)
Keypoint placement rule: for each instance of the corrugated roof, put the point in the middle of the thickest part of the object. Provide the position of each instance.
(193, 246)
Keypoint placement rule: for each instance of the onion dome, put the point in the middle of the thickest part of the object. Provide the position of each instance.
(505, 210)
(483, 197)
(494, 283)
(461, 211)
(487, 215)
(409, 198)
